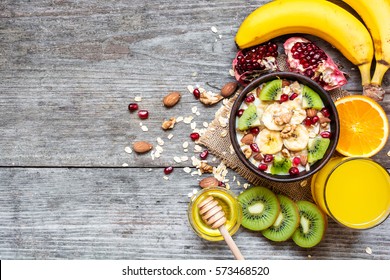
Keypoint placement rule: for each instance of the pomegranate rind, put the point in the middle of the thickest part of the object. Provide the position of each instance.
(326, 73)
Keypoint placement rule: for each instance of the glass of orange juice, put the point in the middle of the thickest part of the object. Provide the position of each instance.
(354, 192)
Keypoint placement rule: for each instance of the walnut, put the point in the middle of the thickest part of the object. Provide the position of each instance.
(208, 99)
(288, 131)
(247, 152)
(205, 168)
(283, 119)
(169, 124)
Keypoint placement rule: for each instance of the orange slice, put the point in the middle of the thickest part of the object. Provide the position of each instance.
(364, 127)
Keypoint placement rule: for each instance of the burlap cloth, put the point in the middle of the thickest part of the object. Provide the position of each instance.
(217, 140)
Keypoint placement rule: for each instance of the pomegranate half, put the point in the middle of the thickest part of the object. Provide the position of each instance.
(304, 57)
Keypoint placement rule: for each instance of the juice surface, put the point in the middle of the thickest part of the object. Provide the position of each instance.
(357, 194)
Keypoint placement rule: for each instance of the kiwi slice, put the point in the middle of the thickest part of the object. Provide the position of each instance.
(316, 148)
(311, 99)
(280, 165)
(270, 90)
(286, 223)
(249, 118)
(260, 208)
(312, 225)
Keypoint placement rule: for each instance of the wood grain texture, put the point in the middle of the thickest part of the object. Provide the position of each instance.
(68, 70)
(131, 213)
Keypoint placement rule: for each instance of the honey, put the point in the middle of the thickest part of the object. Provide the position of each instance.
(227, 200)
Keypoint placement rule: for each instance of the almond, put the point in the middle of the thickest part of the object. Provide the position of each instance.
(228, 89)
(303, 159)
(247, 139)
(208, 182)
(258, 157)
(311, 112)
(142, 147)
(171, 99)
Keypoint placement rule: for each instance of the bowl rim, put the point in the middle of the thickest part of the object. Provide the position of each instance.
(328, 102)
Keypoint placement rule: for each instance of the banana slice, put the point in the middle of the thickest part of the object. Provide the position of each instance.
(269, 142)
(295, 107)
(270, 113)
(298, 140)
(313, 130)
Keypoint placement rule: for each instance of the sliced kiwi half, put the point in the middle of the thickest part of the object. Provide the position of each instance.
(316, 148)
(311, 99)
(249, 118)
(270, 90)
(312, 225)
(286, 223)
(260, 208)
(280, 165)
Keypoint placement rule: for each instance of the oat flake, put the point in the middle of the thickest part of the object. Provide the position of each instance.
(388, 153)
(125, 165)
(206, 124)
(184, 158)
(160, 141)
(128, 150)
(185, 145)
(179, 119)
(177, 159)
(187, 170)
(170, 136)
(166, 178)
(194, 109)
(214, 29)
(138, 98)
(188, 119)
(193, 125)
(144, 128)
(197, 148)
(368, 250)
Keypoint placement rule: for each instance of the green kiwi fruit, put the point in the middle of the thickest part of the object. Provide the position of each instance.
(311, 99)
(260, 208)
(286, 223)
(312, 225)
(316, 148)
(280, 165)
(249, 118)
(270, 90)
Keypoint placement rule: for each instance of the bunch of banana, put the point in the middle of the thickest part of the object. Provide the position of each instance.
(327, 21)
(376, 16)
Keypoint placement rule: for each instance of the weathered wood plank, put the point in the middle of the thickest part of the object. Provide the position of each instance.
(131, 213)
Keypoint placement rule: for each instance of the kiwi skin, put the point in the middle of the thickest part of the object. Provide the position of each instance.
(297, 236)
(249, 220)
(272, 233)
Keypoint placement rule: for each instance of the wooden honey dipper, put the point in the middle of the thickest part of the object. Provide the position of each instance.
(213, 215)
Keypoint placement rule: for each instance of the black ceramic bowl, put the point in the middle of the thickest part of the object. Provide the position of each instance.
(326, 99)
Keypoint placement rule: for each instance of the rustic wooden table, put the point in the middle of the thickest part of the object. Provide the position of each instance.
(68, 70)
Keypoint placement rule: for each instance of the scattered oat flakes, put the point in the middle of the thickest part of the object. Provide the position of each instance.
(234, 178)
(184, 158)
(194, 191)
(220, 172)
(188, 119)
(185, 150)
(224, 133)
(388, 153)
(125, 165)
(197, 148)
(220, 36)
(309, 256)
(166, 178)
(187, 170)
(238, 183)
(144, 128)
(231, 149)
(185, 145)
(159, 149)
(170, 136)
(160, 141)
(140, 124)
(197, 113)
(190, 88)
(369, 250)
(206, 124)
(246, 185)
(231, 72)
(128, 150)
(227, 186)
(193, 173)
(157, 154)
(194, 74)
(193, 125)
(177, 159)
(303, 183)
(194, 109)
(138, 98)
(214, 29)
(152, 154)
(190, 194)
(179, 119)
(214, 159)
(223, 121)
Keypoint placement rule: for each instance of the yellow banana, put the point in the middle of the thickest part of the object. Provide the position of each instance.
(316, 17)
(376, 16)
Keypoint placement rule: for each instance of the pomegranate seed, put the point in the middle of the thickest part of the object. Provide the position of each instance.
(250, 98)
(315, 119)
(133, 107)
(325, 134)
(143, 114)
(283, 98)
(240, 112)
(221, 184)
(204, 154)
(293, 96)
(294, 171)
(325, 112)
(308, 121)
(296, 161)
(168, 170)
(196, 93)
(254, 147)
(194, 136)
(268, 158)
(254, 130)
(263, 167)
